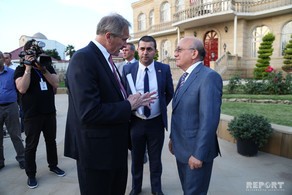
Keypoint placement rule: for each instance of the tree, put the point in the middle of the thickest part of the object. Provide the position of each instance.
(287, 67)
(70, 50)
(265, 51)
(53, 53)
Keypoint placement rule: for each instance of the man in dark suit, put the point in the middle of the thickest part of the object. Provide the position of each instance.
(196, 108)
(147, 129)
(99, 112)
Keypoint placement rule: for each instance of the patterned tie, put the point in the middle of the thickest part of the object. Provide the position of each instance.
(182, 80)
(117, 77)
(146, 89)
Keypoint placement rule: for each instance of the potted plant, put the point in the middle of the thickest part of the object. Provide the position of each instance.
(251, 132)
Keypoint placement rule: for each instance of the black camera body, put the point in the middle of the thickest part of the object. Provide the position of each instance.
(36, 51)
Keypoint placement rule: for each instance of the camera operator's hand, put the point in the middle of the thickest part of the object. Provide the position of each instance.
(137, 100)
(41, 68)
(28, 60)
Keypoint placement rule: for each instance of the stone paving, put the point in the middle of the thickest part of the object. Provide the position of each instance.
(233, 174)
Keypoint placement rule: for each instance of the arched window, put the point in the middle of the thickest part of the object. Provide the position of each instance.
(165, 49)
(141, 22)
(165, 12)
(179, 5)
(151, 18)
(257, 36)
(286, 35)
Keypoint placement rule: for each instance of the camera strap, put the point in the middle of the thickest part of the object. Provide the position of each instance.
(43, 84)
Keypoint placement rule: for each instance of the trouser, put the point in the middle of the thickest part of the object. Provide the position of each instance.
(9, 117)
(33, 126)
(105, 181)
(148, 133)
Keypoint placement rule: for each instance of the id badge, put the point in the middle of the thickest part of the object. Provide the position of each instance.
(43, 85)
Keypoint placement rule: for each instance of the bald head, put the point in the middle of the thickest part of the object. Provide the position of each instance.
(189, 51)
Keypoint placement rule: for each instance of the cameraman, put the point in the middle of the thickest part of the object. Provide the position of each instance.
(37, 82)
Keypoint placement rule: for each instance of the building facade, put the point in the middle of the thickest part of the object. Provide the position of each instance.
(231, 30)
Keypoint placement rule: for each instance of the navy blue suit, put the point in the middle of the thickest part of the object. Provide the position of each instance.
(97, 128)
(195, 118)
(150, 132)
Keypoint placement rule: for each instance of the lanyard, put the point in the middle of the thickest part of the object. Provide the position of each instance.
(38, 73)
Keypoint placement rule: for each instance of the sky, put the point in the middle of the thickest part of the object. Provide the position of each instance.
(70, 22)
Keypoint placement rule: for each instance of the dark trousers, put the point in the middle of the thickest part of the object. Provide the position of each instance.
(45, 123)
(196, 181)
(151, 133)
(9, 117)
(105, 182)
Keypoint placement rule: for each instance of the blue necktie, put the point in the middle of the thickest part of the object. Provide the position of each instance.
(146, 89)
(182, 80)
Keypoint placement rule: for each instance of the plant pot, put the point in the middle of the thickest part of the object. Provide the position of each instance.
(247, 147)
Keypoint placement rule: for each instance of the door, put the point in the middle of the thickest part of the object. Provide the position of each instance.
(211, 47)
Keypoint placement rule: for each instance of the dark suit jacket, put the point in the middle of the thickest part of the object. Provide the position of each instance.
(98, 116)
(195, 116)
(164, 81)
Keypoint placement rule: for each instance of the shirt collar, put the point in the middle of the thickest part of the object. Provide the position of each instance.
(150, 67)
(102, 49)
(192, 67)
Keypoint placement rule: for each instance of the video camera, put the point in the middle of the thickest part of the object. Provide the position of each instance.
(36, 51)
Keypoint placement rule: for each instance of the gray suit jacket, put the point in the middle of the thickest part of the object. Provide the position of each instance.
(195, 116)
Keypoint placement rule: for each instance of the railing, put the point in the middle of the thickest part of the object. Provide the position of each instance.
(153, 29)
(255, 6)
(219, 6)
(203, 9)
(226, 61)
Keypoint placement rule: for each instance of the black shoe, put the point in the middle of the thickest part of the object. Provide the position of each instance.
(133, 192)
(58, 171)
(157, 193)
(21, 165)
(32, 182)
(2, 166)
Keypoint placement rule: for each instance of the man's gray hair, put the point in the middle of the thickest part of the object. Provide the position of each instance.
(114, 23)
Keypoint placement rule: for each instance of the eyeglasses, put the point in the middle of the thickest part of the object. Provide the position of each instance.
(179, 50)
(120, 36)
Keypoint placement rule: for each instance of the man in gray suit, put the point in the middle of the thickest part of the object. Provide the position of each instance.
(195, 117)
(128, 55)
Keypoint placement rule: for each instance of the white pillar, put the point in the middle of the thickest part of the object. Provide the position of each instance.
(235, 36)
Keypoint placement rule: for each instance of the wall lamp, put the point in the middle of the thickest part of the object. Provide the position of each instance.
(195, 34)
(226, 29)
(224, 47)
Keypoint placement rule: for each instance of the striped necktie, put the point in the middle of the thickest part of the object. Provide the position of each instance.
(118, 79)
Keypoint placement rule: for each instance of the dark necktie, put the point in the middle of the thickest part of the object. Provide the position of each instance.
(182, 80)
(117, 77)
(146, 89)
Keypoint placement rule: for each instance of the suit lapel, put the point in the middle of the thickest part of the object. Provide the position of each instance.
(179, 94)
(158, 70)
(106, 67)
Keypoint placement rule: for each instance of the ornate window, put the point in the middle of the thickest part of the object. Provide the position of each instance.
(151, 18)
(286, 35)
(165, 12)
(165, 49)
(141, 22)
(257, 36)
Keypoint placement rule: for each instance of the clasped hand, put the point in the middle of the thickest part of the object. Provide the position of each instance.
(137, 100)
(33, 62)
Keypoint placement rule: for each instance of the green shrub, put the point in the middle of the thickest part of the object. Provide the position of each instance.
(251, 127)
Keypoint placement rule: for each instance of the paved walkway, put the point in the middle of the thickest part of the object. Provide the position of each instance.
(232, 173)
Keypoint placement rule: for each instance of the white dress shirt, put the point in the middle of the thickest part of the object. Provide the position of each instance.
(153, 86)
